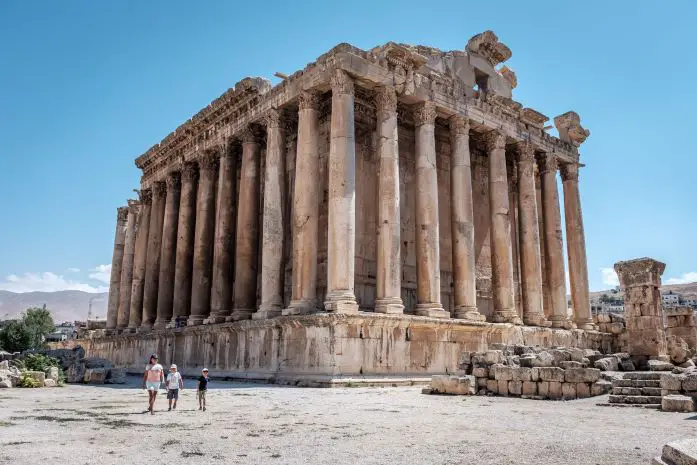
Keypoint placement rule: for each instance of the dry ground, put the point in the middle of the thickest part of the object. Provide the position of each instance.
(78, 425)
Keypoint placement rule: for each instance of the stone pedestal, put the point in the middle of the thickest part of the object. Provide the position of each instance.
(140, 259)
(127, 266)
(640, 280)
(185, 245)
(152, 267)
(116, 262)
(305, 209)
(341, 235)
(165, 293)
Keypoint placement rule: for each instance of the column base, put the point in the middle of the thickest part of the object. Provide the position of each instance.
(215, 319)
(266, 312)
(301, 307)
(468, 313)
(160, 324)
(341, 301)
(240, 314)
(130, 330)
(144, 329)
(195, 320)
(389, 305)
(536, 320)
(432, 310)
(586, 323)
(507, 316)
(561, 322)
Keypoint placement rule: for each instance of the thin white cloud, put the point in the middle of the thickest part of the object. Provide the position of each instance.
(45, 282)
(101, 273)
(689, 277)
(74, 270)
(610, 277)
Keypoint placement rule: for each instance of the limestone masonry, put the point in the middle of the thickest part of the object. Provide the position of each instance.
(402, 181)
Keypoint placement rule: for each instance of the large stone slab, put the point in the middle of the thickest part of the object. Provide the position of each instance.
(677, 403)
(683, 452)
(457, 385)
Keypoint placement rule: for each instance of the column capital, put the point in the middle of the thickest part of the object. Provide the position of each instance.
(548, 162)
(341, 82)
(386, 99)
(189, 172)
(425, 113)
(459, 125)
(209, 160)
(495, 140)
(249, 135)
(145, 196)
(159, 189)
(133, 206)
(569, 172)
(273, 119)
(174, 181)
(308, 100)
(121, 214)
(525, 151)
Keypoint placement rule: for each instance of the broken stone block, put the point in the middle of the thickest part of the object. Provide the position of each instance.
(671, 382)
(559, 355)
(38, 376)
(52, 373)
(503, 387)
(48, 382)
(493, 356)
(522, 374)
(543, 388)
(583, 390)
(676, 403)
(515, 388)
(659, 365)
(627, 365)
(116, 376)
(529, 388)
(689, 383)
(568, 390)
(607, 364)
(577, 355)
(457, 385)
(682, 452)
(480, 372)
(95, 375)
(481, 383)
(551, 374)
(600, 387)
(5, 383)
(570, 364)
(581, 375)
(555, 390)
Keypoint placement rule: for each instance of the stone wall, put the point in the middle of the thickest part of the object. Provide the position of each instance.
(681, 323)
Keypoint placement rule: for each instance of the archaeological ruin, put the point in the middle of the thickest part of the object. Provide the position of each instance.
(371, 216)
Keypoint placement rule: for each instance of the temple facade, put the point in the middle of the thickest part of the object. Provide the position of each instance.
(403, 180)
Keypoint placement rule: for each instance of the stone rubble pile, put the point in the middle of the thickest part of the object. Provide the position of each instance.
(10, 376)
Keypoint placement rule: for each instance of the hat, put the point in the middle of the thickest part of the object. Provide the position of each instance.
(205, 369)
(173, 366)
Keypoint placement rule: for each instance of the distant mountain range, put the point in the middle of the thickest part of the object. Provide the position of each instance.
(64, 305)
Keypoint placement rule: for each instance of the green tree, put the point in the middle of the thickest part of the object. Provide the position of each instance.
(16, 337)
(39, 322)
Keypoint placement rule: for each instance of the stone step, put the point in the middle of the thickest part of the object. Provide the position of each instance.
(643, 375)
(639, 383)
(651, 406)
(621, 399)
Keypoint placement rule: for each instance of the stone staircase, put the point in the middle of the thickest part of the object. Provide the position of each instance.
(637, 389)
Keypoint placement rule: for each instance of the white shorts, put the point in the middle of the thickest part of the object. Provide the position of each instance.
(152, 386)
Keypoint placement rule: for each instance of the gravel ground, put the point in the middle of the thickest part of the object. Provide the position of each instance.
(267, 424)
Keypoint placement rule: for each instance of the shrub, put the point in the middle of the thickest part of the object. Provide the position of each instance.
(26, 381)
(39, 362)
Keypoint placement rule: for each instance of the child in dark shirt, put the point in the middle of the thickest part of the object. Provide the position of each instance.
(202, 388)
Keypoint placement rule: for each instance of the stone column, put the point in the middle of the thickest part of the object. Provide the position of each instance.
(530, 258)
(221, 292)
(203, 239)
(152, 267)
(185, 245)
(640, 280)
(341, 223)
(501, 254)
(127, 266)
(305, 208)
(462, 222)
(116, 261)
(426, 215)
(389, 264)
(554, 248)
(273, 220)
(246, 260)
(576, 248)
(140, 260)
(165, 292)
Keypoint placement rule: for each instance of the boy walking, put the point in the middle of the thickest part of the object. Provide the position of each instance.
(202, 388)
(174, 383)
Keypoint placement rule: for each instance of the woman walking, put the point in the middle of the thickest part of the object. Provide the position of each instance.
(152, 379)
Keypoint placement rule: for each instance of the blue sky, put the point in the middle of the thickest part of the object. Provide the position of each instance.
(88, 86)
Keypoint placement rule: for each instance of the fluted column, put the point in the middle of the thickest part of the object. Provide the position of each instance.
(183, 267)
(501, 250)
(427, 227)
(576, 247)
(127, 266)
(152, 267)
(245, 289)
(462, 222)
(553, 243)
(203, 239)
(389, 264)
(306, 194)
(140, 260)
(116, 261)
(272, 233)
(341, 224)
(530, 259)
(165, 293)
(221, 291)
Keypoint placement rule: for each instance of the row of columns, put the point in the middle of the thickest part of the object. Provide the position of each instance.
(180, 264)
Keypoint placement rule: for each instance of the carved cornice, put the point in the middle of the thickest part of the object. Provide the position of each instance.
(146, 196)
(189, 172)
(122, 214)
(309, 100)
(341, 82)
(569, 172)
(159, 189)
(494, 140)
(425, 113)
(386, 99)
(525, 151)
(548, 163)
(459, 126)
(174, 181)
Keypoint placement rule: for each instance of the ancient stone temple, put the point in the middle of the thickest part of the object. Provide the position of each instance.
(373, 213)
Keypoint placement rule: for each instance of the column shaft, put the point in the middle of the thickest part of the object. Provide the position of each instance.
(185, 246)
(246, 247)
(554, 247)
(140, 260)
(427, 227)
(127, 266)
(165, 293)
(273, 220)
(530, 259)
(221, 292)
(203, 240)
(389, 264)
(152, 267)
(341, 223)
(576, 247)
(501, 253)
(306, 194)
(116, 262)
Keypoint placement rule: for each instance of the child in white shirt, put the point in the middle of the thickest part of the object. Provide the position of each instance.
(174, 383)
